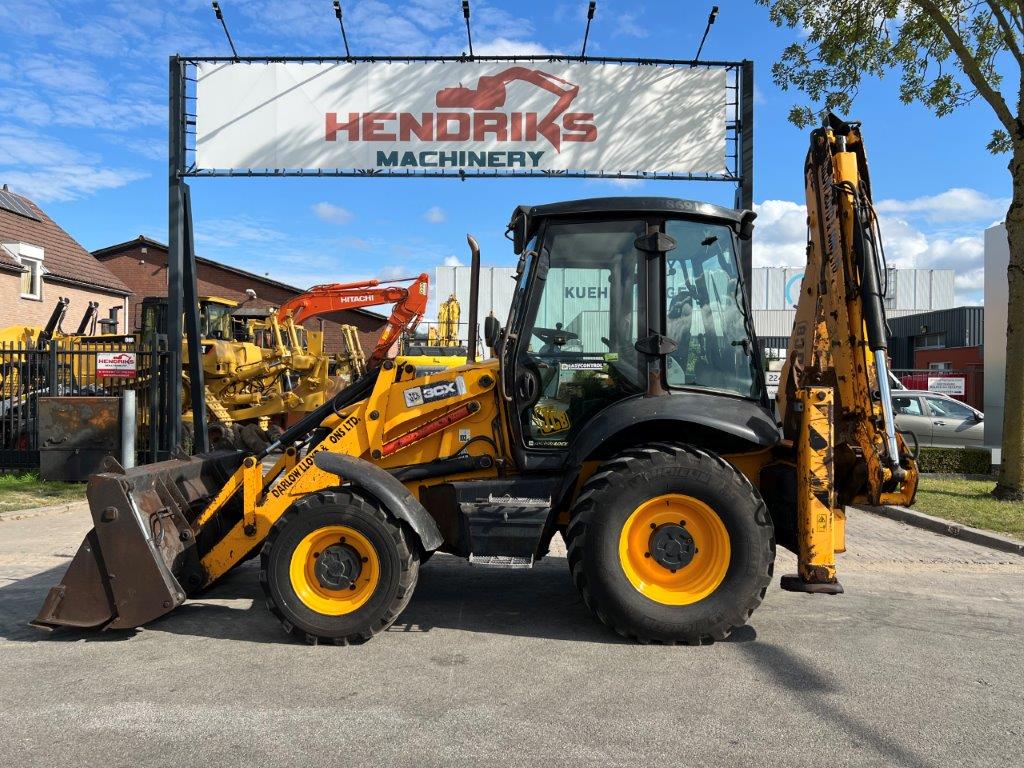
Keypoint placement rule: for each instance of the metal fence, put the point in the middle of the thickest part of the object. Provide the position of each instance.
(71, 367)
(967, 386)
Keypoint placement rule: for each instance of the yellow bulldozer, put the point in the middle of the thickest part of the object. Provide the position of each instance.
(667, 474)
(75, 372)
(257, 371)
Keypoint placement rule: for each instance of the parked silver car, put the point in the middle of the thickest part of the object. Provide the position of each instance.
(937, 420)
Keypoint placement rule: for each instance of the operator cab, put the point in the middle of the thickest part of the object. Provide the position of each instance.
(622, 298)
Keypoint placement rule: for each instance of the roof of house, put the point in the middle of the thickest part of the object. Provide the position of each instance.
(64, 259)
(114, 250)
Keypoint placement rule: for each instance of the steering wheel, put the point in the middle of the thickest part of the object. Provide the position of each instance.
(554, 336)
(528, 383)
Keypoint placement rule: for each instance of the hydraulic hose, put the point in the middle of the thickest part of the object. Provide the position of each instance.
(874, 319)
(353, 393)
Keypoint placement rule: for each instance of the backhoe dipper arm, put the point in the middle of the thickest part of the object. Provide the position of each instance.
(834, 397)
(410, 304)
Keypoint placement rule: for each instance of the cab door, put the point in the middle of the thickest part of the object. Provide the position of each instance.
(575, 350)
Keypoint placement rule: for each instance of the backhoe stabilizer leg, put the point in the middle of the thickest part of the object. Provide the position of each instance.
(820, 527)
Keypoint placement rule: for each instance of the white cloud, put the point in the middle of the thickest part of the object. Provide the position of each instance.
(61, 183)
(780, 234)
(503, 46)
(393, 272)
(954, 205)
(435, 214)
(612, 181)
(780, 238)
(333, 214)
(453, 261)
(627, 26)
(46, 169)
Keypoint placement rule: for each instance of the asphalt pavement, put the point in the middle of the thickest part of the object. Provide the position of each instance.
(920, 663)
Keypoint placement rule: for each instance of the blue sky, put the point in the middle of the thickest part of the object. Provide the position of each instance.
(83, 92)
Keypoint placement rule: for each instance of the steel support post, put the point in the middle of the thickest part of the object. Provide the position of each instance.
(745, 189)
(197, 383)
(171, 437)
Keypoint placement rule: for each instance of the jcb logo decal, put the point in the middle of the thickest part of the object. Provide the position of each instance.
(429, 393)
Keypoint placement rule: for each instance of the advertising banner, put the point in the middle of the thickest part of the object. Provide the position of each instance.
(947, 385)
(449, 117)
(116, 364)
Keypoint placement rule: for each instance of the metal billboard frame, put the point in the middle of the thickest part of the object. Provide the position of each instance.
(181, 269)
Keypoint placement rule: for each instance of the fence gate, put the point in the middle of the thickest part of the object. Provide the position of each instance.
(76, 368)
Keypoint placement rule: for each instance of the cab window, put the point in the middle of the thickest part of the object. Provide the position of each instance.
(578, 342)
(705, 315)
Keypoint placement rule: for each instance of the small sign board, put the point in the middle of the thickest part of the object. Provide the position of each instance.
(116, 364)
(772, 379)
(947, 385)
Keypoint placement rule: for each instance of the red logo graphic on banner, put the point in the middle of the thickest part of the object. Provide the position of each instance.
(484, 120)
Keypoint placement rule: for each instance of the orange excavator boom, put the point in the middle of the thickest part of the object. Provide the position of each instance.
(410, 303)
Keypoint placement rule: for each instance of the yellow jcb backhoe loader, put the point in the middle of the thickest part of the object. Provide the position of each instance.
(667, 473)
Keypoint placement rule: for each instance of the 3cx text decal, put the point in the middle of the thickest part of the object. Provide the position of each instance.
(429, 393)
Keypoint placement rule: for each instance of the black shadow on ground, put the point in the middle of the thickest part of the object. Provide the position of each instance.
(811, 686)
(451, 594)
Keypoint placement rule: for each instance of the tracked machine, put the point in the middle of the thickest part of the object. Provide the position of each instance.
(660, 461)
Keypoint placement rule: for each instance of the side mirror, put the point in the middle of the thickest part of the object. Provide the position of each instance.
(492, 329)
(746, 226)
(518, 227)
(979, 416)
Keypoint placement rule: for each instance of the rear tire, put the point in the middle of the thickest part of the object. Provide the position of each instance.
(614, 563)
(351, 605)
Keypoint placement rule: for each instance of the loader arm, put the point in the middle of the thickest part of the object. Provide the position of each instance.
(409, 305)
(834, 398)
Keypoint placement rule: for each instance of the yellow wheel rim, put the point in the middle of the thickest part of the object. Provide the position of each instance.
(684, 532)
(322, 567)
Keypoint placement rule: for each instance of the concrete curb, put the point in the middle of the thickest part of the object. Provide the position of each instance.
(948, 528)
(23, 514)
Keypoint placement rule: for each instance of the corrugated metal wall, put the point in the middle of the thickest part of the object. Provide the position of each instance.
(496, 287)
(909, 289)
(963, 326)
(774, 291)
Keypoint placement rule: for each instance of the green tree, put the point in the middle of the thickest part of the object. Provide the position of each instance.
(947, 53)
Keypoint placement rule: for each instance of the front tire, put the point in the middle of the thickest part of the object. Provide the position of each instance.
(669, 543)
(337, 569)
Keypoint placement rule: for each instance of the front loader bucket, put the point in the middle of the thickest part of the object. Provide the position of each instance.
(140, 559)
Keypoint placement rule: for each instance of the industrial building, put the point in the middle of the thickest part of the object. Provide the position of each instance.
(774, 293)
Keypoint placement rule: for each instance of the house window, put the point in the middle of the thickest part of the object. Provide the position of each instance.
(32, 279)
(940, 366)
(930, 341)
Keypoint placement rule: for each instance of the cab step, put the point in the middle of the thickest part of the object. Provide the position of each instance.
(502, 561)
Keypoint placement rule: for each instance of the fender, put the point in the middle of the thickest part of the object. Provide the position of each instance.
(387, 490)
(737, 418)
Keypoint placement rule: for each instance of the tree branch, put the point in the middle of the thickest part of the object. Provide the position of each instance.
(1009, 37)
(971, 67)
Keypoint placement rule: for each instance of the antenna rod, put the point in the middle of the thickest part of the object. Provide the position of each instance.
(469, 35)
(220, 18)
(711, 20)
(341, 22)
(590, 18)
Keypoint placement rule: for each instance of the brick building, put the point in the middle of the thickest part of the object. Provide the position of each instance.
(950, 342)
(142, 265)
(40, 262)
